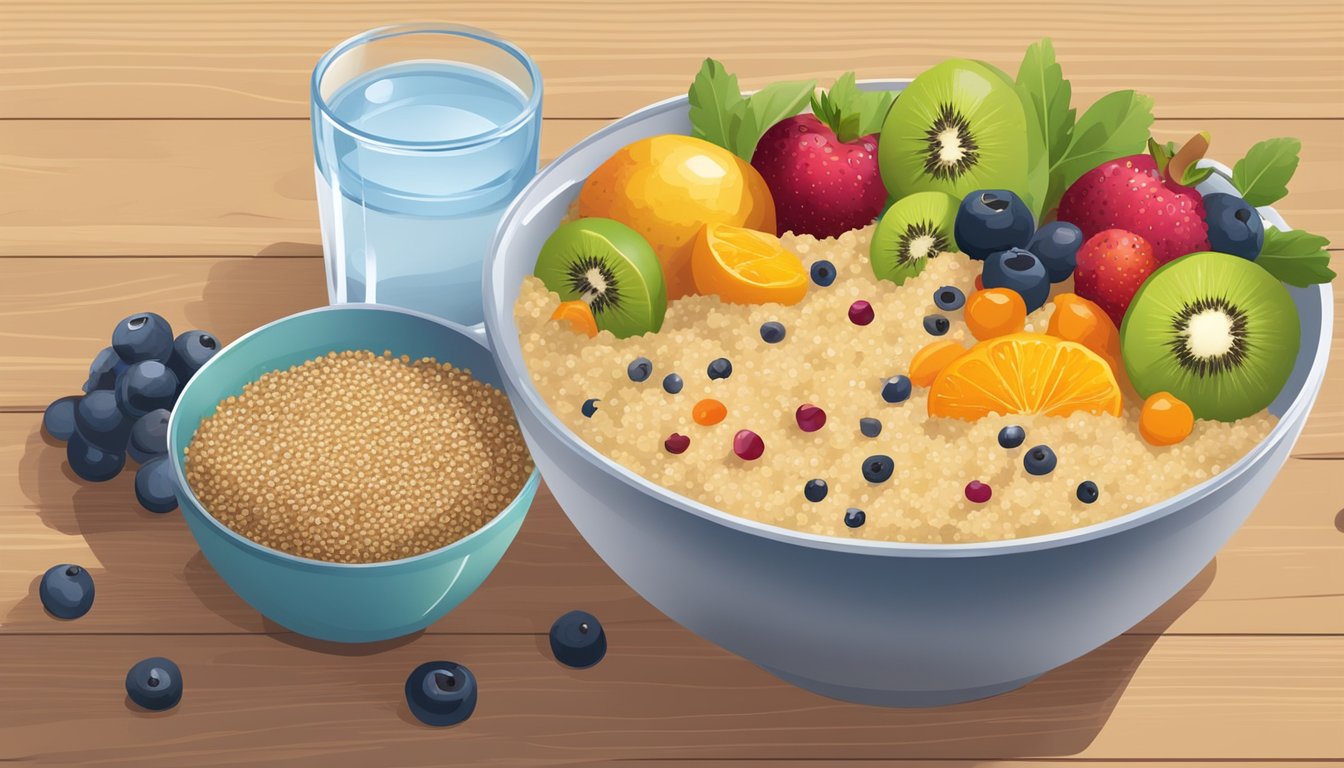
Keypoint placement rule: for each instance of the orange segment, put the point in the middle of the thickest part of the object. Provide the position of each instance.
(1080, 320)
(1165, 419)
(995, 312)
(744, 266)
(578, 316)
(1025, 373)
(931, 360)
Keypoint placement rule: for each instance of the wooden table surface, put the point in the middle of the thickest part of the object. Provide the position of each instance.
(157, 156)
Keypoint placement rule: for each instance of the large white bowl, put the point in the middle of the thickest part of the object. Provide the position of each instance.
(880, 623)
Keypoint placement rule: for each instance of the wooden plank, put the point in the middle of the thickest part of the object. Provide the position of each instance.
(1282, 573)
(660, 693)
(605, 58)
(242, 188)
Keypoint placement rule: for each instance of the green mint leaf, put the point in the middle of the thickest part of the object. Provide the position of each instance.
(1040, 81)
(1296, 257)
(1115, 126)
(1262, 175)
(1194, 175)
(1162, 154)
(714, 97)
(851, 112)
(766, 107)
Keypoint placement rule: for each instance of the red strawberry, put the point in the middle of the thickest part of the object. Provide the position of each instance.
(1112, 264)
(1138, 194)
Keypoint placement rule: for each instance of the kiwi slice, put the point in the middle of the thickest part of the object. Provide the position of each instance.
(959, 127)
(913, 230)
(610, 266)
(1216, 331)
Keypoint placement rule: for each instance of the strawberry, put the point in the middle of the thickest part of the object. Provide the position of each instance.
(1150, 195)
(1112, 264)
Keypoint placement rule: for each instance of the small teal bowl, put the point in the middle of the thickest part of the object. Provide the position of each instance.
(347, 603)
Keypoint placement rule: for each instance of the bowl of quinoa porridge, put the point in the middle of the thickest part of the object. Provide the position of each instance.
(934, 596)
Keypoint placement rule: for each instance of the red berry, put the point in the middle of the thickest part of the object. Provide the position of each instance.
(748, 445)
(978, 492)
(676, 443)
(1111, 266)
(810, 417)
(861, 313)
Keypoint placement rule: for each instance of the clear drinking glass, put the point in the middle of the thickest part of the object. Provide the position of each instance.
(422, 135)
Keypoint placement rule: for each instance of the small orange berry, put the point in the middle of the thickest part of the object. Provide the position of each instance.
(578, 315)
(1165, 420)
(932, 359)
(995, 312)
(708, 412)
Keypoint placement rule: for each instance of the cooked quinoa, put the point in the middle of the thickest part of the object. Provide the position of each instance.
(828, 361)
(359, 458)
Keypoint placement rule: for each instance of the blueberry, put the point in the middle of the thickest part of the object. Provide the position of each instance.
(191, 350)
(815, 490)
(149, 436)
(719, 369)
(897, 389)
(992, 220)
(577, 640)
(589, 407)
(639, 369)
(855, 517)
(1234, 226)
(949, 298)
(441, 693)
(1088, 492)
(823, 273)
(66, 591)
(155, 684)
(1012, 436)
(1056, 245)
(59, 418)
(672, 384)
(154, 485)
(1021, 271)
(90, 462)
(1039, 460)
(772, 332)
(100, 422)
(146, 386)
(878, 468)
(145, 336)
(104, 370)
(870, 427)
(936, 325)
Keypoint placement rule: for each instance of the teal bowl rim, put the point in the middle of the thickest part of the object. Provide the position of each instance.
(197, 508)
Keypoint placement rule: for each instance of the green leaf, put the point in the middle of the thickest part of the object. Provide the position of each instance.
(851, 112)
(1115, 126)
(714, 97)
(1047, 94)
(1296, 257)
(1262, 175)
(1194, 175)
(763, 109)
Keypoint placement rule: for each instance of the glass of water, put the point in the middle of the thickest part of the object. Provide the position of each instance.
(422, 135)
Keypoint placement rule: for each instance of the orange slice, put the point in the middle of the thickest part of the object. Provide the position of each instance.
(1080, 320)
(578, 315)
(1025, 373)
(930, 361)
(744, 266)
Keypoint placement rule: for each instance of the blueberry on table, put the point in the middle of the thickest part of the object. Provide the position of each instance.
(92, 463)
(146, 386)
(992, 220)
(639, 369)
(949, 298)
(191, 350)
(878, 468)
(1011, 436)
(936, 325)
(772, 332)
(1056, 244)
(441, 693)
(672, 384)
(66, 591)
(100, 422)
(154, 485)
(1234, 226)
(1018, 270)
(104, 370)
(145, 336)
(578, 640)
(59, 419)
(154, 684)
(823, 273)
(1039, 460)
(149, 436)
(897, 389)
(719, 368)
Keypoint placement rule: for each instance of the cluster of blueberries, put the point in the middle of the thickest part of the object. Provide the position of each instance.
(127, 400)
(996, 227)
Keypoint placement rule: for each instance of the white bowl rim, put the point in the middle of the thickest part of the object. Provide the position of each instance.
(508, 354)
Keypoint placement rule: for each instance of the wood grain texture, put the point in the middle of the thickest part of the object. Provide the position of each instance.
(243, 188)
(73, 58)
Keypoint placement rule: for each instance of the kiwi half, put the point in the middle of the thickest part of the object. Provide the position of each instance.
(959, 127)
(913, 230)
(1216, 331)
(612, 268)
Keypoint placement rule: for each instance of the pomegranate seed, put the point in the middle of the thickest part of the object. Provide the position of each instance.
(748, 445)
(676, 443)
(861, 313)
(810, 417)
(978, 492)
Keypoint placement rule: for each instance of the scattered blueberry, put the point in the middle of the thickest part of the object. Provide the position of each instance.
(149, 436)
(861, 313)
(936, 325)
(823, 273)
(578, 640)
(154, 485)
(1021, 271)
(1011, 436)
(589, 407)
(1039, 460)
(810, 418)
(146, 386)
(855, 517)
(672, 383)
(1234, 226)
(978, 492)
(89, 462)
(191, 350)
(772, 332)
(66, 591)
(59, 418)
(815, 490)
(748, 445)
(1088, 492)
(143, 337)
(897, 389)
(639, 369)
(100, 422)
(949, 298)
(677, 443)
(719, 368)
(441, 693)
(1056, 245)
(155, 684)
(991, 220)
(104, 370)
(870, 427)
(878, 468)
